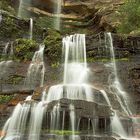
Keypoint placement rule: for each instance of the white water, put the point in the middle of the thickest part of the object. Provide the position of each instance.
(58, 10)
(5, 50)
(106, 98)
(70, 91)
(117, 126)
(73, 120)
(7, 61)
(55, 117)
(120, 93)
(20, 9)
(36, 70)
(15, 126)
(0, 17)
(31, 28)
(36, 121)
(75, 68)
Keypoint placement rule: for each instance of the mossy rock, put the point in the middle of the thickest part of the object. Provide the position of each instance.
(5, 98)
(15, 79)
(53, 45)
(24, 49)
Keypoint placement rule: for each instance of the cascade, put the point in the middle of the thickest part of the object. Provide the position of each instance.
(116, 85)
(31, 28)
(20, 8)
(16, 124)
(58, 9)
(22, 12)
(36, 70)
(71, 110)
(6, 58)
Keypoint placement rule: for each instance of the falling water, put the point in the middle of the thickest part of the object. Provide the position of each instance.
(55, 117)
(73, 120)
(22, 12)
(75, 70)
(0, 17)
(106, 98)
(58, 10)
(20, 8)
(36, 121)
(6, 57)
(31, 28)
(117, 126)
(16, 124)
(121, 94)
(5, 50)
(36, 70)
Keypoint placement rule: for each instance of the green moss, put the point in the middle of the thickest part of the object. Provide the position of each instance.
(15, 79)
(5, 98)
(53, 46)
(90, 59)
(65, 132)
(24, 49)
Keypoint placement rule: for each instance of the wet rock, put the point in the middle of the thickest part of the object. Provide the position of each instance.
(82, 108)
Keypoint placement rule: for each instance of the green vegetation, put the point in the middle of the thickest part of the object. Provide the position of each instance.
(15, 79)
(24, 49)
(89, 59)
(5, 98)
(130, 17)
(53, 46)
(65, 132)
(6, 6)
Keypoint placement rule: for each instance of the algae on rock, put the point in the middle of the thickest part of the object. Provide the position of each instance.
(53, 45)
(24, 49)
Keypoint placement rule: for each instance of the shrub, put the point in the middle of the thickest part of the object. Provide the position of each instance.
(53, 46)
(24, 49)
(130, 17)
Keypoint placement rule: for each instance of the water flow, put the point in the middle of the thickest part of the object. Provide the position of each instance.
(7, 55)
(23, 5)
(75, 68)
(117, 126)
(58, 10)
(72, 119)
(31, 28)
(36, 70)
(120, 93)
(16, 125)
(36, 121)
(20, 9)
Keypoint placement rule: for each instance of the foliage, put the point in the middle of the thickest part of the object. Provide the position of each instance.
(5, 98)
(24, 49)
(6, 6)
(130, 17)
(91, 59)
(53, 46)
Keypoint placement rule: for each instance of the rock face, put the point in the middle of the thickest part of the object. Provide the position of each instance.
(88, 15)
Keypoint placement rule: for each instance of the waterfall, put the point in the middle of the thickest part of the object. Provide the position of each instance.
(36, 121)
(36, 70)
(74, 48)
(6, 58)
(20, 9)
(120, 93)
(31, 28)
(58, 10)
(117, 126)
(74, 91)
(16, 124)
